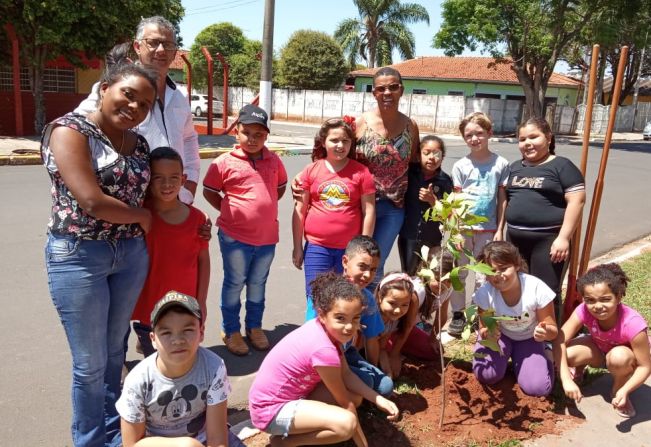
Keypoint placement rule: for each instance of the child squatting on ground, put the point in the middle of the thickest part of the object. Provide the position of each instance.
(245, 186)
(360, 262)
(337, 203)
(176, 396)
(481, 176)
(512, 293)
(304, 393)
(178, 255)
(617, 338)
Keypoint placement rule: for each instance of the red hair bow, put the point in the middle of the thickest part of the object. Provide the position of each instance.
(350, 120)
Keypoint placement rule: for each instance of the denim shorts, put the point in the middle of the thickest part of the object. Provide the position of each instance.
(281, 423)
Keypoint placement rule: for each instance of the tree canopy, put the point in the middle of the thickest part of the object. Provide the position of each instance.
(380, 28)
(53, 28)
(312, 60)
(531, 33)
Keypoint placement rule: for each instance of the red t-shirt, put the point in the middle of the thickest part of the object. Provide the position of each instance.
(249, 209)
(173, 261)
(334, 215)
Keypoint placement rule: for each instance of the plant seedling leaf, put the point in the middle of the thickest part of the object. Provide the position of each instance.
(491, 344)
(425, 274)
(481, 268)
(471, 312)
(465, 335)
(424, 253)
(454, 279)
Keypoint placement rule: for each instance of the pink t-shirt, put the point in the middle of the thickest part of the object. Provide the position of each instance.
(249, 209)
(629, 324)
(288, 372)
(335, 213)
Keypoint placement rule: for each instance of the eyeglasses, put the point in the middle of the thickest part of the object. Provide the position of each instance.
(383, 88)
(153, 44)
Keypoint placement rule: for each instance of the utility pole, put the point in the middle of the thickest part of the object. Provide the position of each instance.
(267, 56)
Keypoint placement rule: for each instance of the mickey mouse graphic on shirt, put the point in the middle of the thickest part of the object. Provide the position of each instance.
(175, 408)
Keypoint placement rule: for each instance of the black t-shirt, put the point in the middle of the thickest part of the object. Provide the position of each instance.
(414, 227)
(536, 194)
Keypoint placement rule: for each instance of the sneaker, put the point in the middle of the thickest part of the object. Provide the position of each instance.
(235, 343)
(258, 339)
(455, 328)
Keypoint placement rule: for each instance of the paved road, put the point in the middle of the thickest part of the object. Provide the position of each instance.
(35, 373)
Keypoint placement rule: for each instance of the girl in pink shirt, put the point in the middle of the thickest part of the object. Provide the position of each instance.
(337, 203)
(617, 338)
(304, 393)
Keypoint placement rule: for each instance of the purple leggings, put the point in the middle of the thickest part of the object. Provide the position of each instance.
(534, 372)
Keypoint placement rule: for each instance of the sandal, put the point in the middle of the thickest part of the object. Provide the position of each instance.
(628, 411)
(577, 373)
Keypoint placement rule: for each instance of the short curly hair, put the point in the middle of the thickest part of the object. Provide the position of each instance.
(329, 287)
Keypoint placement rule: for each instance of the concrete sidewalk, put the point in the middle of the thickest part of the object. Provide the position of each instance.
(25, 150)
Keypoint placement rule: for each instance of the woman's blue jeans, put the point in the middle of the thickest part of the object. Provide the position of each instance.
(94, 285)
(244, 265)
(317, 260)
(388, 222)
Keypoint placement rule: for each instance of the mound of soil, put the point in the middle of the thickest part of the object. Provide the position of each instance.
(475, 414)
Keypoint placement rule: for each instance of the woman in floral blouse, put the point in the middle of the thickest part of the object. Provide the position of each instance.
(95, 254)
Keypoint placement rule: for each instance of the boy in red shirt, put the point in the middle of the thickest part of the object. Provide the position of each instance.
(178, 255)
(245, 186)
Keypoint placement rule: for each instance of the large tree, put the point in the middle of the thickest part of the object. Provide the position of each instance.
(622, 22)
(380, 28)
(312, 60)
(532, 34)
(53, 28)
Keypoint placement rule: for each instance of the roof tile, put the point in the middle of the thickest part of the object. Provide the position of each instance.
(485, 69)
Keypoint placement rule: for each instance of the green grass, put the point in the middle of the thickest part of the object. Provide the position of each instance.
(638, 270)
(405, 386)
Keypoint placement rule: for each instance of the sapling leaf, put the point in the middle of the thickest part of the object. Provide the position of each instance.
(424, 252)
(425, 274)
(454, 279)
(481, 268)
(426, 216)
(465, 335)
(434, 263)
(491, 344)
(471, 312)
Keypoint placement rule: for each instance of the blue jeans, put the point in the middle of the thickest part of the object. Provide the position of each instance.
(388, 222)
(370, 374)
(244, 265)
(316, 260)
(94, 286)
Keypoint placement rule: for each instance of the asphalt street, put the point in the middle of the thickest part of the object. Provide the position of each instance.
(35, 372)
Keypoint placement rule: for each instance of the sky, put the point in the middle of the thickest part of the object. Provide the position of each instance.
(292, 15)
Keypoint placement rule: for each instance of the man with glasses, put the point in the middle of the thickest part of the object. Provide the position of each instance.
(170, 121)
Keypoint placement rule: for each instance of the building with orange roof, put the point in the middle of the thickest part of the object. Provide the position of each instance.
(474, 77)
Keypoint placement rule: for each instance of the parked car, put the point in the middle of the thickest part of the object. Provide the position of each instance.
(646, 133)
(199, 105)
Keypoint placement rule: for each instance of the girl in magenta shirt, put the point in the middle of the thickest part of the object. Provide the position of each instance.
(617, 338)
(337, 204)
(304, 393)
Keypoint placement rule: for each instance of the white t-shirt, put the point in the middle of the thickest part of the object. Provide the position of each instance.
(535, 295)
(174, 407)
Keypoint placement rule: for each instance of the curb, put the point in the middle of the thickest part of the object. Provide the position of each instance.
(204, 153)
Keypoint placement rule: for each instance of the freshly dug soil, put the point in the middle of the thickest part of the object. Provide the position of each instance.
(475, 414)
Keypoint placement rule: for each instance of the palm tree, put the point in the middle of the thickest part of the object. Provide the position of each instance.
(380, 28)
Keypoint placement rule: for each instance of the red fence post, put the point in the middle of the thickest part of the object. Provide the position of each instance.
(15, 62)
(206, 54)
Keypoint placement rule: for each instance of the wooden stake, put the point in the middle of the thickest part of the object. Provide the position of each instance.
(599, 184)
(572, 297)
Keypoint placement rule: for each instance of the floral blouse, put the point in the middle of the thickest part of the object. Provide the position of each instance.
(388, 161)
(123, 177)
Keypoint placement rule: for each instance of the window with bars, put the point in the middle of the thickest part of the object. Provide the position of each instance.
(54, 79)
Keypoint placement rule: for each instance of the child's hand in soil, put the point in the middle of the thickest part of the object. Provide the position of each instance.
(388, 407)
(572, 390)
(540, 333)
(396, 364)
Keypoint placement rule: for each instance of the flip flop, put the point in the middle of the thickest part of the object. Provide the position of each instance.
(628, 411)
(577, 374)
